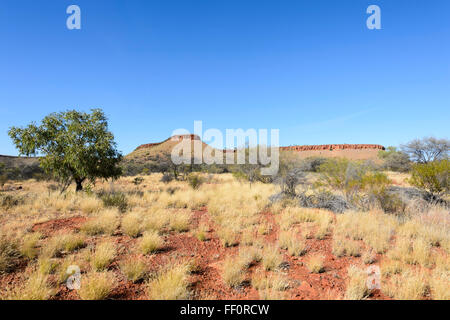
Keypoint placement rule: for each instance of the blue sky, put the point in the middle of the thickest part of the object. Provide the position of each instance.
(309, 68)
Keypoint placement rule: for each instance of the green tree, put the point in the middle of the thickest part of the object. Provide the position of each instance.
(75, 146)
(432, 176)
(344, 175)
(395, 160)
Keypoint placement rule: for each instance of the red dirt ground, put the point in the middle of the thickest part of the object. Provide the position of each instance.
(209, 256)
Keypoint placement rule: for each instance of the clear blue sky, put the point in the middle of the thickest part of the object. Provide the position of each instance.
(309, 68)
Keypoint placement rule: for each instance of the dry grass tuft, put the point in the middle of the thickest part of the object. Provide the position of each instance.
(132, 225)
(346, 247)
(135, 271)
(9, 254)
(62, 243)
(233, 271)
(315, 263)
(410, 285)
(150, 242)
(96, 285)
(29, 245)
(271, 258)
(180, 221)
(356, 286)
(103, 256)
(262, 281)
(35, 288)
(171, 283)
(105, 223)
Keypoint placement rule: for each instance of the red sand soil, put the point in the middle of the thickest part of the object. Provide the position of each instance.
(209, 255)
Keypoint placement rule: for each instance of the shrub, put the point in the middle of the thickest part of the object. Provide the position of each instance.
(9, 254)
(166, 178)
(115, 199)
(290, 180)
(150, 242)
(313, 163)
(138, 180)
(8, 202)
(96, 285)
(324, 200)
(395, 160)
(344, 175)
(3, 180)
(195, 180)
(433, 177)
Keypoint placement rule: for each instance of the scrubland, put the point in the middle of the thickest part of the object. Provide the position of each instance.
(222, 240)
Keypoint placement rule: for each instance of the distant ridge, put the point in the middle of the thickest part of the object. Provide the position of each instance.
(321, 147)
(349, 151)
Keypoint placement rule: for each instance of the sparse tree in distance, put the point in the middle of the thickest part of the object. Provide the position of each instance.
(75, 146)
(395, 160)
(427, 149)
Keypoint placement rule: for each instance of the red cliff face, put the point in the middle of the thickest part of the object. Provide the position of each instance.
(328, 147)
(332, 147)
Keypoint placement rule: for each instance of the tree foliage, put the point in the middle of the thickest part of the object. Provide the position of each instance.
(427, 149)
(395, 160)
(432, 177)
(75, 146)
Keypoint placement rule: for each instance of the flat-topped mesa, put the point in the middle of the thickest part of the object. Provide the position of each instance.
(331, 147)
(180, 137)
(177, 137)
(324, 147)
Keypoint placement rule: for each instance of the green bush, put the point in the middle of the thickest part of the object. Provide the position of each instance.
(432, 177)
(9, 254)
(9, 201)
(3, 180)
(167, 177)
(395, 160)
(138, 180)
(344, 175)
(195, 180)
(115, 199)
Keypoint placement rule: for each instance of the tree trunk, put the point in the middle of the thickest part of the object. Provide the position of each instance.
(79, 183)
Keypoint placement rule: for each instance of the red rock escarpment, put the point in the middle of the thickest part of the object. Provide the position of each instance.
(323, 147)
